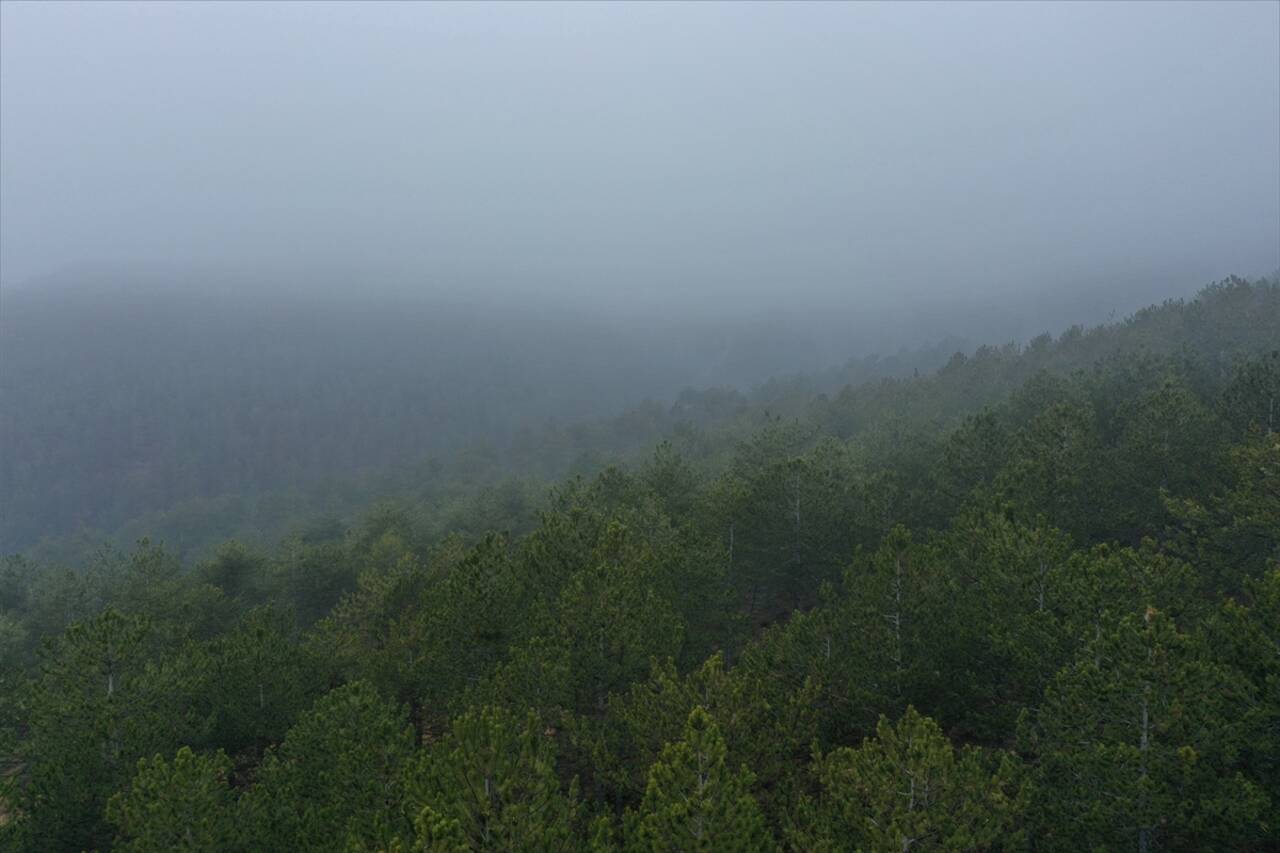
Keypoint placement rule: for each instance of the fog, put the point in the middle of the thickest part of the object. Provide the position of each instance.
(247, 248)
(709, 159)
(691, 416)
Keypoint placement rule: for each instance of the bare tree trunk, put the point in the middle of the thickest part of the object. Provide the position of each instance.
(728, 591)
(1144, 741)
(795, 542)
(895, 621)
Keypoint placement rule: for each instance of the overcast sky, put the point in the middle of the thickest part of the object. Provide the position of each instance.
(715, 155)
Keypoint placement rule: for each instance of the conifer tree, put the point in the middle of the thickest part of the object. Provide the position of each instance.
(96, 707)
(256, 679)
(1138, 746)
(491, 784)
(909, 789)
(693, 801)
(766, 724)
(337, 768)
(1008, 634)
(184, 804)
(613, 619)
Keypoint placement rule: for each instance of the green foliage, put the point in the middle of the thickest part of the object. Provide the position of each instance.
(1252, 398)
(1244, 637)
(909, 789)
(898, 598)
(426, 632)
(766, 725)
(618, 606)
(311, 578)
(1051, 474)
(338, 767)
(256, 679)
(1139, 744)
(1069, 547)
(975, 452)
(491, 784)
(1233, 534)
(694, 801)
(1165, 446)
(98, 704)
(236, 570)
(1007, 622)
(185, 804)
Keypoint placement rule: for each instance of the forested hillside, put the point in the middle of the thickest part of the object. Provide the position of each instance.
(1027, 601)
(132, 405)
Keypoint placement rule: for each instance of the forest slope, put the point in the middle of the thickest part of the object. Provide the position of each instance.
(119, 401)
(1045, 579)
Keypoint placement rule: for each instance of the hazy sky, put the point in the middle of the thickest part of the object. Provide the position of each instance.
(708, 154)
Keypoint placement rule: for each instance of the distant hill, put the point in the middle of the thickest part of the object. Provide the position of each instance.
(123, 399)
(195, 418)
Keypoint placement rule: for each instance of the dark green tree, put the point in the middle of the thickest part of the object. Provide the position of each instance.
(97, 705)
(491, 784)
(909, 789)
(694, 801)
(184, 804)
(337, 769)
(1138, 745)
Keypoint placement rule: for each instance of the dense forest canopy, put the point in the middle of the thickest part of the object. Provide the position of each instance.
(130, 399)
(820, 427)
(179, 408)
(1027, 600)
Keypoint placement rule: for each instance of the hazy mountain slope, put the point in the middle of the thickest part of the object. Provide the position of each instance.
(122, 400)
(322, 414)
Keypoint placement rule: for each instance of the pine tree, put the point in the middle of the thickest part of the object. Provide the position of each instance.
(1168, 443)
(337, 768)
(491, 784)
(185, 804)
(256, 679)
(1138, 745)
(902, 601)
(1009, 636)
(614, 619)
(97, 706)
(909, 789)
(1234, 535)
(693, 801)
(1051, 472)
(766, 724)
